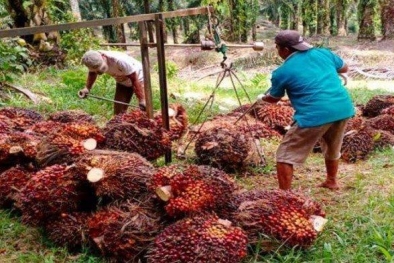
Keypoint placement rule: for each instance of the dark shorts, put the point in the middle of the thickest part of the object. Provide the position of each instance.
(299, 142)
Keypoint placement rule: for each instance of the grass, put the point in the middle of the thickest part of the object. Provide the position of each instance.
(360, 214)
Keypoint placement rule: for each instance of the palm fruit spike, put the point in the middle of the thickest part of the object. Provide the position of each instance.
(227, 149)
(122, 232)
(11, 182)
(71, 116)
(357, 145)
(276, 116)
(69, 230)
(51, 191)
(17, 147)
(83, 131)
(178, 121)
(282, 215)
(22, 118)
(204, 238)
(135, 132)
(193, 189)
(116, 175)
(382, 122)
(382, 139)
(376, 104)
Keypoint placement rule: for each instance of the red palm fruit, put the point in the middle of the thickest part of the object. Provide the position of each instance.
(122, 232)
(22, 118)
(203, 238)
(51, 191)
(6, 124)
(389, 110)
(116, 175)
(228, 149)
(357, 145)
(382, 122)
(17, 147)
(376, 104)
(194, 189)
(11, 183)
(83, 131)
(178, 121)
(68, 230)
(44, 128)
(276, 116)
(67, 116)
(282, 215)
(355, 123)
(135, 132)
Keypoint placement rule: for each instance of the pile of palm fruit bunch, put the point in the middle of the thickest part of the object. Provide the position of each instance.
(190, 189)
(135, 132)
(371, 128)
(228, 149)
(200, 238)
(282, 217)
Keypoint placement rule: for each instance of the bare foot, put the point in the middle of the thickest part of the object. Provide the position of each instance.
(329, 185)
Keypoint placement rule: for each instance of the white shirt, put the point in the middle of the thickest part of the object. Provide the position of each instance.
(121, 65)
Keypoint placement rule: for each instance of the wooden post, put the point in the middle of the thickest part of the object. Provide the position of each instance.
(161, 61)
(146, 69)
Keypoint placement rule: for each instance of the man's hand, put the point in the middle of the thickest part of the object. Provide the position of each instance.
(83, 93)
(142, 106)
(345, 78)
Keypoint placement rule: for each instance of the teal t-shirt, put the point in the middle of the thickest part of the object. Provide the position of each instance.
(313, 86)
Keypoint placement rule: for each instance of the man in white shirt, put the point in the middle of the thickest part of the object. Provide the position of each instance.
(126, 71)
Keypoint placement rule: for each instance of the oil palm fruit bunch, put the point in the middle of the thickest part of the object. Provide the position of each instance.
(22, 118)
(382, 139)
(204, 238)
(277, 116)
(357, 145)
(69, 230)
(67, 116)
(376, 104)
(285, 216)
(228, 149)
(12, 181)
(51, 191)
(17, 147)
(68, 143)
(6, 124)
(135, 132)
(116, 175)
(382, 122)
(123, 231)
(44, 128)
(192, 188)
(178, 121)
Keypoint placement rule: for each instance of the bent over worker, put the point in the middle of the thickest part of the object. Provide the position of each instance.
(126, 71)
(309, 77)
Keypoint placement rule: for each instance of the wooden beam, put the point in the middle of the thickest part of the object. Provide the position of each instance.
(146, 68)
(102, 22)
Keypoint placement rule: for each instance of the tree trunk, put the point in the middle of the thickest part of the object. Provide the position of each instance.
(387, 17)
(323, 19)
(75, 9)
(173, 23)
(366, 12)
(120, 35)
(341, 8)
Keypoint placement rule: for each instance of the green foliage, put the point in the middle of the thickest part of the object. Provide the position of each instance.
(171, 69)
(14, 60)
(77, 42)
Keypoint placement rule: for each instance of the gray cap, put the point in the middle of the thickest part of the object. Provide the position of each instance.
(93, 59)
(291, 38)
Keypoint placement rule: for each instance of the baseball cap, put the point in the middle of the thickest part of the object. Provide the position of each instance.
(93, 60)
(291, 38)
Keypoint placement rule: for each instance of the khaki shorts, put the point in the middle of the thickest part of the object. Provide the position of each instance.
(299, 142)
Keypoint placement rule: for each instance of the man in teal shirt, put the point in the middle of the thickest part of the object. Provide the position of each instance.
(309, 77)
